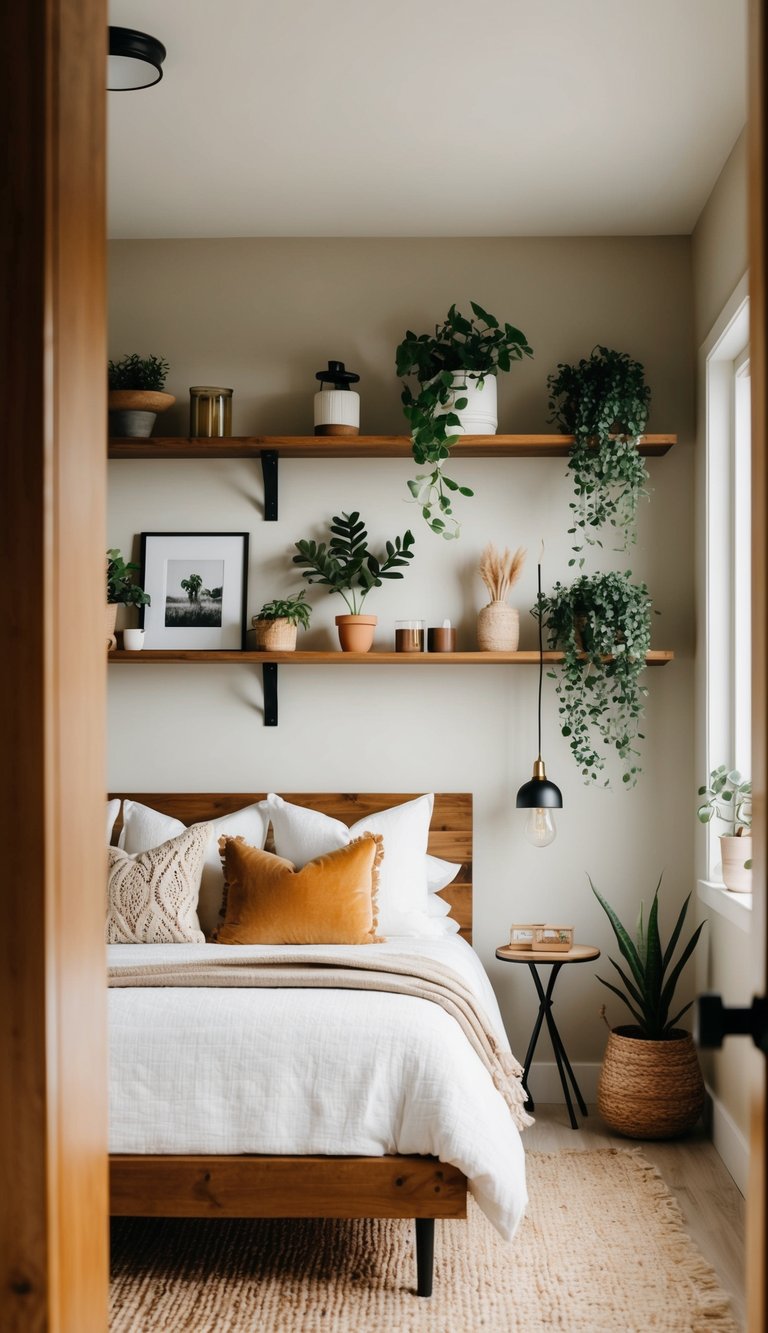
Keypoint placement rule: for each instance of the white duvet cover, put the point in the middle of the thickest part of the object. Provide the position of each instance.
(201, 1070)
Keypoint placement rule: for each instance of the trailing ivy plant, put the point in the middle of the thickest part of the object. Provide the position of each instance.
(136, 372)
(346, 565)
(603, 402)
(602, 624)
(480, 346)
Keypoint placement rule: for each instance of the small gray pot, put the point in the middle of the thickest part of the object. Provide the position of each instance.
(137, 425)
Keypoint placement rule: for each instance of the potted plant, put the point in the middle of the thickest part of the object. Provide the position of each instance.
(603, 402)
(136, 394)
(602, 624)
(276, 624)
(498, 625)
(729, 798)
(650, 1084)
(345, 565)
(121, 590)
(456, 370)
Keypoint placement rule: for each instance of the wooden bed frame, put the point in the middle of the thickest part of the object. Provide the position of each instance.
(340, 1187)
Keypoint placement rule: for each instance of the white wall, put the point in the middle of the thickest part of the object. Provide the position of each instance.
(719, 250)
(262, 316)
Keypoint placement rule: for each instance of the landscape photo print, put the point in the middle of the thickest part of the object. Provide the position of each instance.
(197, 585)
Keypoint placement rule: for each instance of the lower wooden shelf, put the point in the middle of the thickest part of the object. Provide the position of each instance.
(269, 662)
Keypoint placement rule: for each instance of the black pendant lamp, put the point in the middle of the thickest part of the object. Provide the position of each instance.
(539, 796)
(135, 60)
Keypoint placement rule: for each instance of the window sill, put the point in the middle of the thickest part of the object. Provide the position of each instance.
(735, 907)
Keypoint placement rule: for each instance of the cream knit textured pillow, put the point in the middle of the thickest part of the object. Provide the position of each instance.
(152, 897)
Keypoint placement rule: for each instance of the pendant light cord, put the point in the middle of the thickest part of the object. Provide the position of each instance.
(541, 654)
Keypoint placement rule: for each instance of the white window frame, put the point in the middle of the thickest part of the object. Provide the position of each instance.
(725, 362)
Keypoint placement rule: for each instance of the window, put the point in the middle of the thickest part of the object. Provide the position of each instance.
(727, 625)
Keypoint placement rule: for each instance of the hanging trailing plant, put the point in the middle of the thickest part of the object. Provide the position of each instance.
(603, 402)
(478, 347)
(602, 625)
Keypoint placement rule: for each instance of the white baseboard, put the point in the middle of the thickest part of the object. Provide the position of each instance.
(731, 1144)
(544, 1081)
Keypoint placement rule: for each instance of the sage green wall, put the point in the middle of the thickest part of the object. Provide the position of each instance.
(720, 259)
(262, 316)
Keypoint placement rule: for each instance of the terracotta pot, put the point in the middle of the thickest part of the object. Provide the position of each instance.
(498, 628)
(275, 636)
(733, 853)
(650, 1089)
(356, 633)
(111, 621)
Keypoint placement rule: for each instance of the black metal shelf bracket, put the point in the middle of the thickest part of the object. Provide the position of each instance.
(269, 677)
(269, 472)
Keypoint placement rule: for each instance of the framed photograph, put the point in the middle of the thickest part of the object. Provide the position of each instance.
(197, 582)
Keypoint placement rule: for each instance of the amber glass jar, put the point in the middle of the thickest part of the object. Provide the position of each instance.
(210, 411)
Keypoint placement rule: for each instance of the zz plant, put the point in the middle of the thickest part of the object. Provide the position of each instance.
(602, 624)
(347, 566)
(603, 401)
(650, 984)
(480, 346)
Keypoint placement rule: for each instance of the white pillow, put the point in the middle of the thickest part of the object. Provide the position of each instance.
(301, 835)
(440, 873)
(144, 828)
(113, 810)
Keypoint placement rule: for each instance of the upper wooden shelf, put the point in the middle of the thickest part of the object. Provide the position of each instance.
(357, 446)
(528, 657)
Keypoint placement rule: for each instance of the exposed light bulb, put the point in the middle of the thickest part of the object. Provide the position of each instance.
(539, 827)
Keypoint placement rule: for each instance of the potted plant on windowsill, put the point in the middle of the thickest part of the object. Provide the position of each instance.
(729, 798)
(346, 566)
(136, 394)
(456, 369)
(603, 401)
(602, 624)
(121, 590)
(276, 625)
(650, 1083)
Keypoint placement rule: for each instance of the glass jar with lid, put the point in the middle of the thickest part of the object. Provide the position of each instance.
(210, 411)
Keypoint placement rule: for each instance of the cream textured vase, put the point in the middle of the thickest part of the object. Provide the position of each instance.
(498, 628)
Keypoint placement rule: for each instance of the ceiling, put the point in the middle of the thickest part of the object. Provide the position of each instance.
(427, 117)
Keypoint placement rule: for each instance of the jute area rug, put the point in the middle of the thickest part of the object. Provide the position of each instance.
(602, 1250)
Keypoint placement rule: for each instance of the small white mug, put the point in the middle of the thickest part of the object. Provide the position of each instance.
(133, 640)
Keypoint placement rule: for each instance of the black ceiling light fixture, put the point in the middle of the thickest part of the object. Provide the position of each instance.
(539, 796)
(135, 60)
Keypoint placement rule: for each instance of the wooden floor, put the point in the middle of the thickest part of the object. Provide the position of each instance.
(711, 1204)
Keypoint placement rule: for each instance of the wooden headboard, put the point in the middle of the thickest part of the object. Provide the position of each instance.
(450, 835)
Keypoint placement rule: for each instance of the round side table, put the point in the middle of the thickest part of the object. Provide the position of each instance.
(580, 953)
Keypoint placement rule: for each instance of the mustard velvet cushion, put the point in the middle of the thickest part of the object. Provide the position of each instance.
(331, 900)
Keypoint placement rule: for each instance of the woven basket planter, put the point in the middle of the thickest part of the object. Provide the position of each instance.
(650, 1089)
(498, 628)
(275, 636)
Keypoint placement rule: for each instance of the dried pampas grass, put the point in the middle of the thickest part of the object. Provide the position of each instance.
(500, 571)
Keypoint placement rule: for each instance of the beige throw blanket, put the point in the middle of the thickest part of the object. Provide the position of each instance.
(420, 977)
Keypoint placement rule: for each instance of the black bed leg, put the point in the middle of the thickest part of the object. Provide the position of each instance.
(425, 1254)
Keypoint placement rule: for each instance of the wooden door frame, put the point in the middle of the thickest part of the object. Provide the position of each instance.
(53, 1121)
(757, 1198)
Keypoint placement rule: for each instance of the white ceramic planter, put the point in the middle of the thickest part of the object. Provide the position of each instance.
(480, 416)
(734, 852)
(133, 640)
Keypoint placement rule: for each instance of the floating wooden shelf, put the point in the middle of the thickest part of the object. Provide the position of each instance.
(269, 662)
(358, 446)
(269, 449)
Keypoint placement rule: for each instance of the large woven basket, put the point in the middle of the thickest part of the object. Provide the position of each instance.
(498, 628)
(650, 1089)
